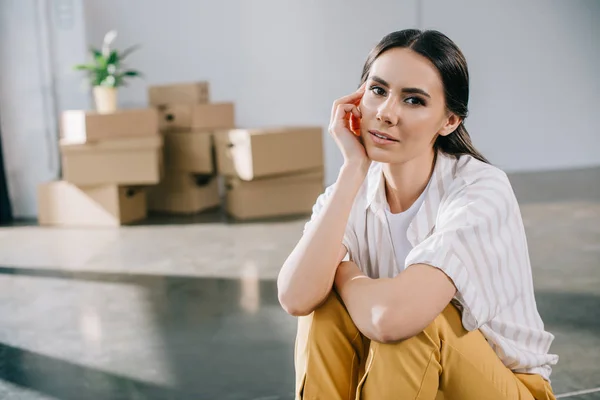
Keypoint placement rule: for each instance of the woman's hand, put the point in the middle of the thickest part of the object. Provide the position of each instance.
(349, 144)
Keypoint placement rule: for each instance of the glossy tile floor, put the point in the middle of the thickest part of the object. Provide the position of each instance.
(186, 308)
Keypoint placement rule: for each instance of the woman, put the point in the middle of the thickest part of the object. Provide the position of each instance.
(412, 278)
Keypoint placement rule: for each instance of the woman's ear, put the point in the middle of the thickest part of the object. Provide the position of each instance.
(451, 124)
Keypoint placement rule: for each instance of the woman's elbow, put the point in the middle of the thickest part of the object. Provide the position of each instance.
(295, 311)
(299, 300)
(292, 303)
(387, 337)
(387, 329)
(293, 307)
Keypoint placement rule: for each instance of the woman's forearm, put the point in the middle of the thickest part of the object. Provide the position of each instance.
(307, 275)
(391, 309)
(363, 297)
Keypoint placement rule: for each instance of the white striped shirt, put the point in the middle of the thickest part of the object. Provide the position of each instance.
(470, 227)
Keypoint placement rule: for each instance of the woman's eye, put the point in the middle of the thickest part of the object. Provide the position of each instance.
(415, 101)
(377, 90)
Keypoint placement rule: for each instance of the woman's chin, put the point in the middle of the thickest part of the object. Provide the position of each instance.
(380, 155)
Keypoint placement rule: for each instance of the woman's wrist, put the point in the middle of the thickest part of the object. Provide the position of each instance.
(355, 172)
(345, 272)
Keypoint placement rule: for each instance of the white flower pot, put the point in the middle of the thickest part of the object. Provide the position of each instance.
(105, 99)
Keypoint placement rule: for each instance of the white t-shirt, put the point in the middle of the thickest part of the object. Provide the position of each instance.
(470, 227)
(398, 224)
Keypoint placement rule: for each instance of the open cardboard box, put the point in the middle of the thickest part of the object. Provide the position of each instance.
(61, 203)
(257, 153)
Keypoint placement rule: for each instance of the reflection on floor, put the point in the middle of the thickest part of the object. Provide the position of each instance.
(179, 308)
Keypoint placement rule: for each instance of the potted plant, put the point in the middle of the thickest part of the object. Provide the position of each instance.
(107, 73)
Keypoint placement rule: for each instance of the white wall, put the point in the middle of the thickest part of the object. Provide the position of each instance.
(39, 42)
(68, 44)
(535, 83)
(281, 62)
(534, 65)
(26, 108)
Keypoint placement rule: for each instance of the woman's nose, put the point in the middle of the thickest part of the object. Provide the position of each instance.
(386, 113)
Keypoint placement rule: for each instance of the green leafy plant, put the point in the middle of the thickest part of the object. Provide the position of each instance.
(107, 69)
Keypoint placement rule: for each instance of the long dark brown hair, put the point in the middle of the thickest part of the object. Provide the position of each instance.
(452, 66)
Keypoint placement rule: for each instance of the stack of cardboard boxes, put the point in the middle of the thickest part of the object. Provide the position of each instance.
(267, 172)
(270, 172)
(107, 161)
(187, 121)
(169, 157)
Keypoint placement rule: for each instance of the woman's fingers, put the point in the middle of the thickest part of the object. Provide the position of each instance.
(353, 98)
(340, 118)
(342, 111)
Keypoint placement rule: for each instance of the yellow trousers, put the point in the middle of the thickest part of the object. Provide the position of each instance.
(445, 361)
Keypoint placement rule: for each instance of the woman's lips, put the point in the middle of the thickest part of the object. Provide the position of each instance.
(382, 138)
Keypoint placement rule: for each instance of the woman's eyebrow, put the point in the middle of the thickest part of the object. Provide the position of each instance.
(416, 90)
(382, 82)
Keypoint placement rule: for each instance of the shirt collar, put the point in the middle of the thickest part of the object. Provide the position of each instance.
(424, 220)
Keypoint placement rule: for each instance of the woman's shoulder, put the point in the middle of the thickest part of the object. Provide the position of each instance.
(474, 178)
(477, 191)
(469, 171)
(369, 185)
(469, 167)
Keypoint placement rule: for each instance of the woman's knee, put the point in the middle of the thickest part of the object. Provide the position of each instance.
(333, 299)
(331, 309)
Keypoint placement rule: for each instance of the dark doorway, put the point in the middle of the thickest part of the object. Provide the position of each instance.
(5, 208)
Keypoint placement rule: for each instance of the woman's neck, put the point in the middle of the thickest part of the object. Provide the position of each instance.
(405, 182)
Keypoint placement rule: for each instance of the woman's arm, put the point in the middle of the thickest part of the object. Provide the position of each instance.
(466, 253)
(392, 309)
(307, 275)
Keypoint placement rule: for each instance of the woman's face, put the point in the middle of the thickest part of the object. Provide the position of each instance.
(404, 100)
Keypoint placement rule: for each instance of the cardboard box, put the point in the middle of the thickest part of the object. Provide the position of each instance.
(273, 197)
(179, 93)
(184, 194)
(64, 204)
(185, 117)
(189, 152)
(124, 161)
(256, 153)
(80, 126)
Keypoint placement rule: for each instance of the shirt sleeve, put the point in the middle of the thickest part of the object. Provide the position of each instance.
(478, 239)
(349, 236)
